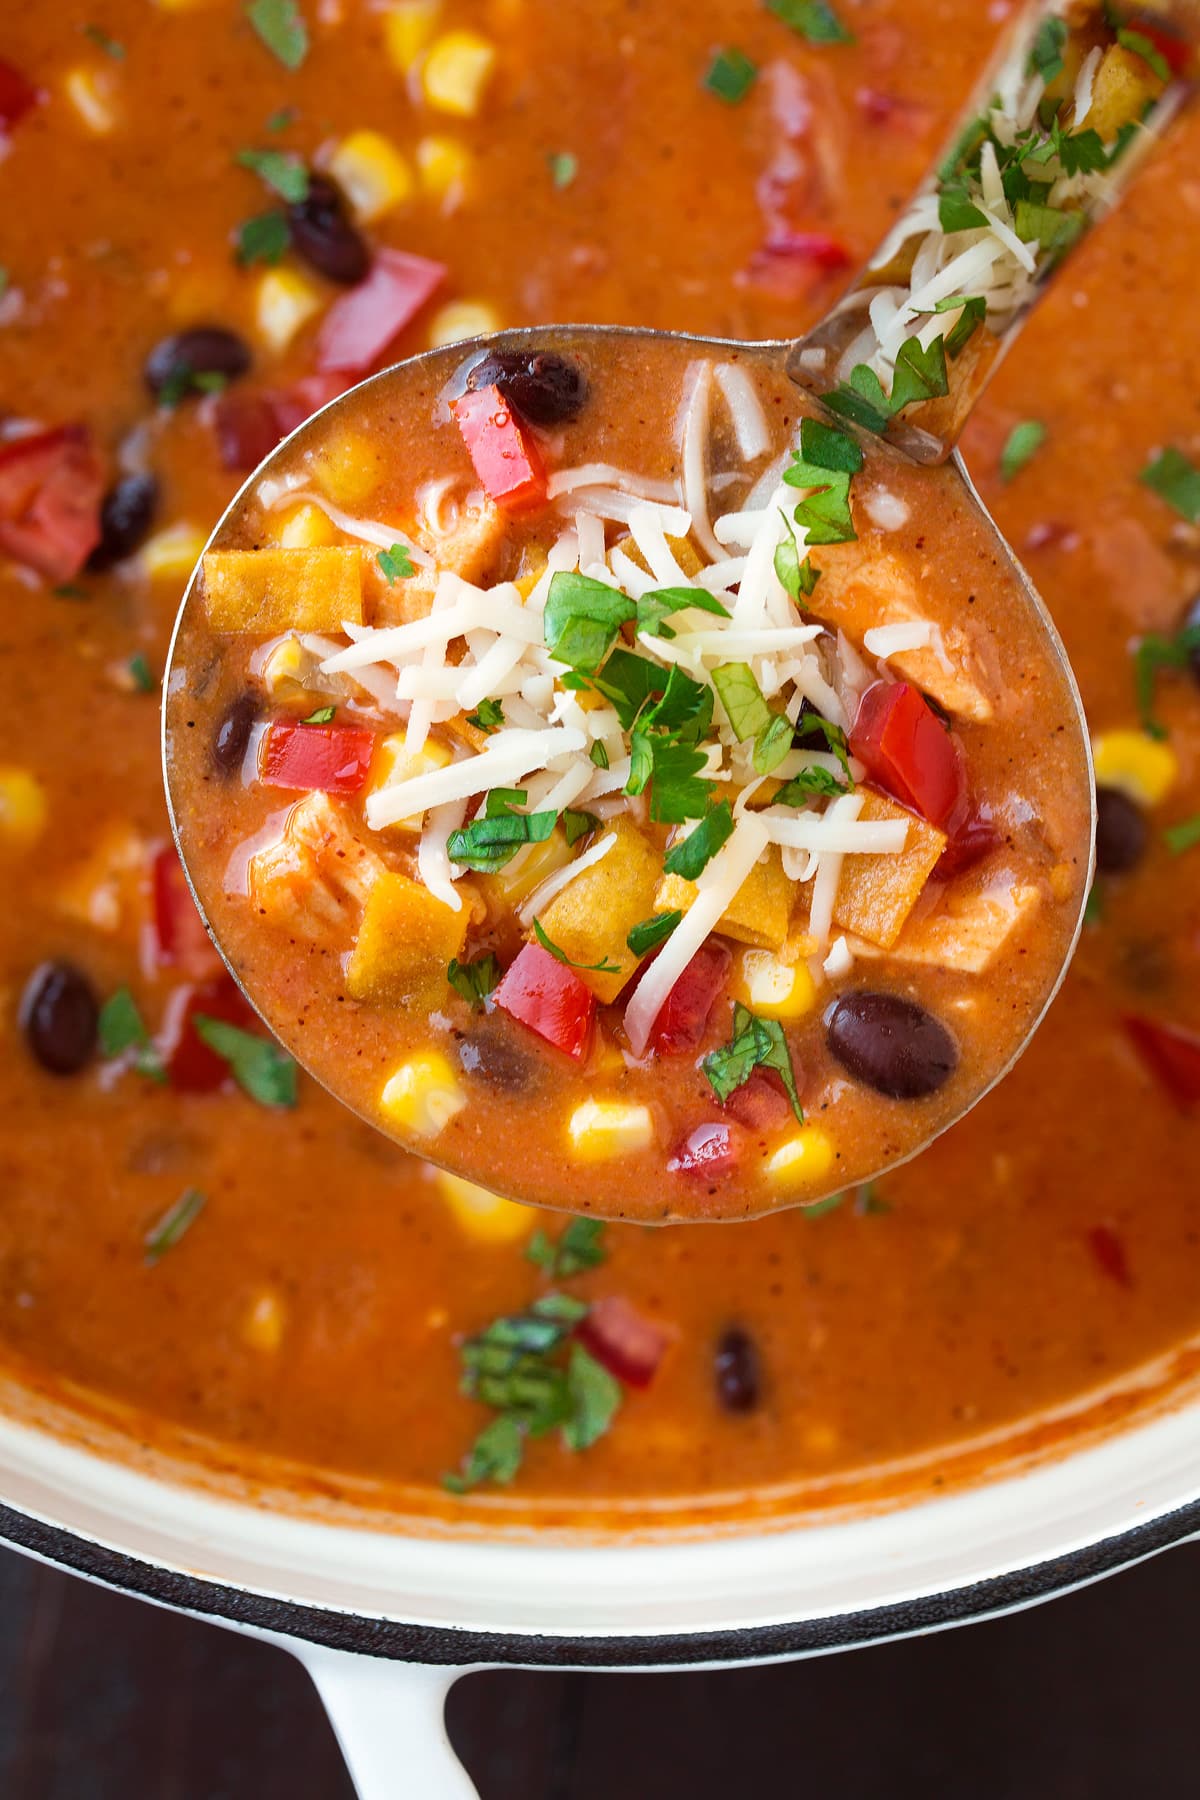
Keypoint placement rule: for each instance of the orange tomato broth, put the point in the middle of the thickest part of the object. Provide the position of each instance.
(310, 1316)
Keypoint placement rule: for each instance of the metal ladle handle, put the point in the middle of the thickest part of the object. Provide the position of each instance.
(1044, 148)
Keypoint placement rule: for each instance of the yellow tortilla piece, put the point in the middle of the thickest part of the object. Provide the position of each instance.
(264, 591)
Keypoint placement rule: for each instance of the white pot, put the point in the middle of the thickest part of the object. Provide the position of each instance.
(385, 1621)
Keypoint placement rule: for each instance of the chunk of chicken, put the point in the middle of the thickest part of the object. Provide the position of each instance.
(967, 930)
(316, 876)
(471, 548)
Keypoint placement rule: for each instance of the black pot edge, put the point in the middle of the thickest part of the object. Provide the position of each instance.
(449, 1647)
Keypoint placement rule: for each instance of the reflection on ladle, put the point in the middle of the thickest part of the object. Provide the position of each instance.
(698, 820)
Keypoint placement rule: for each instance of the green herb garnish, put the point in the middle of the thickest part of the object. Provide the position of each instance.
(654, 608)
(258, 1065)
(812, 19)
(1024, 441)
(650, 932)
(175, 1221)
(279, 170)
(280, 119)
(579, 1246)
(756, 1043)
(731, 75)
(741, 696)
(1176, 480)
(773, 744)
(396, 563)
(1046, 56)
(109, 45)
(582, 620)
(263, 239)
(488, 715)
(280, 25)
(560, 955)
(120, 1028)
(489, 842)
(598, 755)
(797, 577)
(4, 280)
(141, 675)
(814, 781)
(1141, 45)
(920, 373)
(563, 166)
(322, 716)
(691, 855)
(1184, 836)
(1093, 906)
(1153, 654)
(577, 824)
(826, 462)
(474, 980)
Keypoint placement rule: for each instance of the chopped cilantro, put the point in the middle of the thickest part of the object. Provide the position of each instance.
(813, 732)
(280, 25)
(862, 399)
(577, 824)
(1047, 226)
(1140, 45)
(797, 578)
(628, 681)
(143, 679)
(1046, 56)
(650, 932)
(579, 1246)
(731, 75)
(1023, 443)
(322, 716)
(487, 715)
(1156, 652)
(121, 1028)
(690, 856)
(489, 842)
(109, 45)
(1184, 836)
(598, 755)
(741, 696)
(810, 782)
(4, 280)
(175, 1221)
(756, 1043)
(258, 1064)
(1175, 479)
(1093, 908)
(474, 980)
(654, 608)
(974, 312)
(396, 563)
(582, 619)
(679, 790)
(956, 209)
(812, 19)
(920, 373)
(263, 239)
(281, 119)
(183, 380)
(563, 166)
(773, 743)
(826, 462)
(69, 590)
(279, 170)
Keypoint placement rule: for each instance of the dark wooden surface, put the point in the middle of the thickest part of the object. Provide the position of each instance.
(1090, 1698)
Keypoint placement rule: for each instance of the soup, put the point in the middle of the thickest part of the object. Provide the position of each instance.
(307, 1293)
(627, 846)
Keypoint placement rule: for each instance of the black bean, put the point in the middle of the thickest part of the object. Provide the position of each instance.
(891, 1044)
(738, 1371)
(325, 236)
(58, 1016)
(126, 515)
(544, 387)
(1121, 832)
(178, 364)
(233, 733)
(1191, 622)
(494, 1059)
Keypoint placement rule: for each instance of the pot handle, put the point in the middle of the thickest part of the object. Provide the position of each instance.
(389, 1720)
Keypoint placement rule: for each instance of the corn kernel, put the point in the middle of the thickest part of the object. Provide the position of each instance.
(306, 527)
(22, 808)
(347, 467)
(172, 553)
(285, 301)
(462, 319)
(601, 1129)
(482, 1214)
(803, 1160)
(456, 71)
(771, 987)
(92, 92)
(372, 174)
(422, 1096)
(263, 1322)
(443, 165)
(1138, 764)
(407, 29)
(395, 762)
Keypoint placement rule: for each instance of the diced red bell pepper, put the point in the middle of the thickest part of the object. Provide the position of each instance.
(909, 752)
(1109, 1252)
(761, 1103)
(975, 838)
(180, 938)
(1172, 1056)
(17, 97)
(683, 1017)
(710, 1151)
(51, 486)
(360, 325)
(192, 1067)
(336, 759)
(249, 425)
(617, 1335)
(546, 995)
(502, 448)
